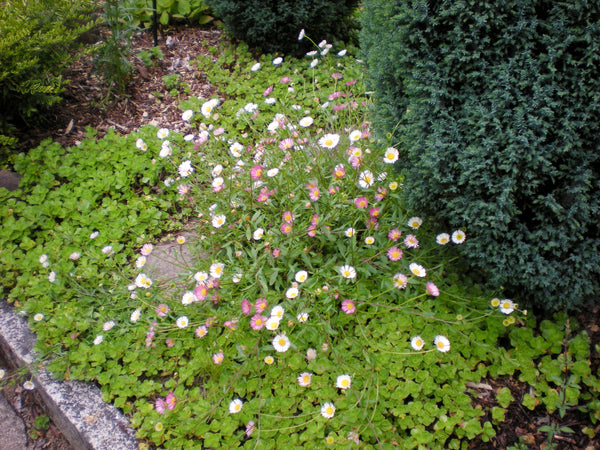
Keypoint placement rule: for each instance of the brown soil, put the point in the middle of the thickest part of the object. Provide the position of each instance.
(82, 106)
(146, 101)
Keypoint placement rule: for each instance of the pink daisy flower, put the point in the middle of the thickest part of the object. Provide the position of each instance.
(286, 144)
(361, 202)
(160, 405)
(260, 305)
(146, 249)
(394, 254)
(268, 91)
(246, 307)
(256, 172)
(339, 171)
(257, 322)
(276, 252)
(218, 357)
(201, 291)
(348, 306)
(287, 217)
(286, 228)
(171, 401)
(374, 212)
(400, 281)
(162, 310)
(314, 194)
(394, 234)
(411, 241)
(432, 289)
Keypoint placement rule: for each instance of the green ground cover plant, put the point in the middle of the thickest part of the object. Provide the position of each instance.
(315, 309)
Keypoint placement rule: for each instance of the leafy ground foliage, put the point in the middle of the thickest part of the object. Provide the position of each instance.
(316, 310)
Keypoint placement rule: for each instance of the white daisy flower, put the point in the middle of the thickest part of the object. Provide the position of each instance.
(366, 179)
(415, 222)
(135, 315)
(441, 343)
(391, 155)
(38, 317)
(255, 67)
(301, 276)
(506, 306)
(458, 237)
(417, 343)
(98, 340)
(208, 107)
(306, 121)
(182, 322)
(165, 149)
(258, 234)
(343, 382)
(281, 343)
(185, 169)
(188, 298)
(218, 220)
(272, 323)
(417, 270)
(217, 170)
(201, 277)
(442, 238)
(292, 293)
(187, 115)
(277, 61)
(162, 133)
(329, 140)
(235, 406)
(348, 272)
(302, 317)
(250, 107)
(216, 270)
(327, 410)
(355, 135)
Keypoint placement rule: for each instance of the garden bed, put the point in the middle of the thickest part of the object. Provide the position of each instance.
(149, 101)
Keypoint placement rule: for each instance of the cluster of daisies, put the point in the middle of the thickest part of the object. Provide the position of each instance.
(343, 382)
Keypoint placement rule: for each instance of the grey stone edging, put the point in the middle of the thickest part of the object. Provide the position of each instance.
(76, 408)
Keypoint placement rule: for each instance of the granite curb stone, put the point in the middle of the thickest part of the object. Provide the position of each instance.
(76, 408)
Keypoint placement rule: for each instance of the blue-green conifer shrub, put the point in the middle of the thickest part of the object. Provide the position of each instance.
(495, 107)
(273, 26)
